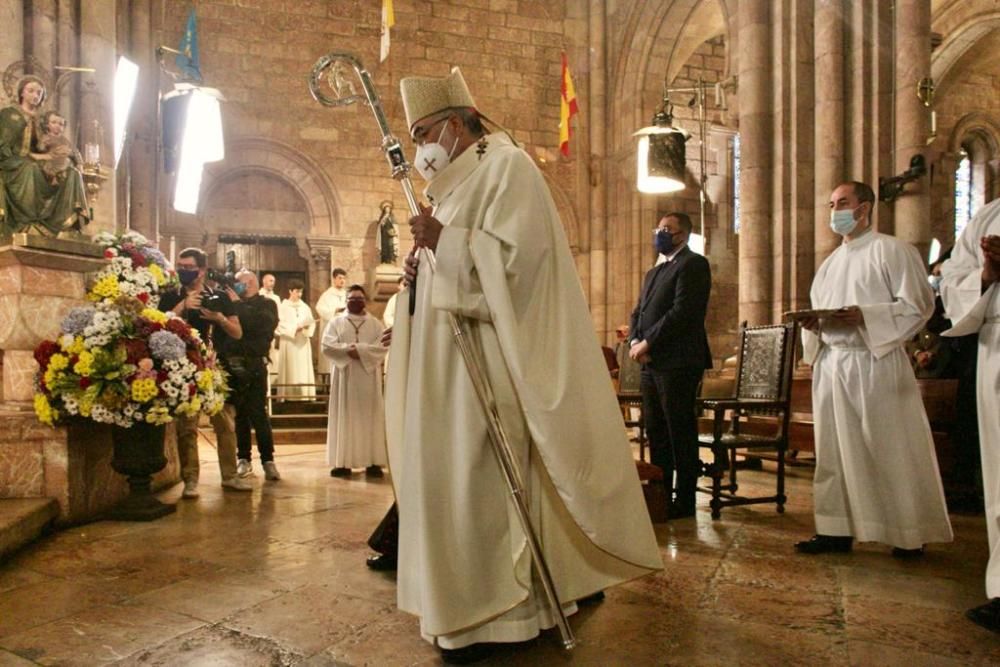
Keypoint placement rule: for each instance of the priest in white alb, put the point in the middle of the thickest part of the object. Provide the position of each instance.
(332, 303)
(296, 326)
(972, 302)
(504, 267)
(876, 476)
(356, 426)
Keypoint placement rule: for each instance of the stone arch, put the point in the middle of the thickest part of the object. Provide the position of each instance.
(979, 126)
(959, 42)
(281, 161)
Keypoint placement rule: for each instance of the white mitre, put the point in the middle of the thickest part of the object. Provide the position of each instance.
(424, 95)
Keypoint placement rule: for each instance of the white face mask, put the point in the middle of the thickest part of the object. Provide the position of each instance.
(432, 158)
(842, 222)
(935, 282)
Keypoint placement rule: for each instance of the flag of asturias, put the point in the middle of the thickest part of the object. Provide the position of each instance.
(568, 107)
(388, 20)
(188, 60)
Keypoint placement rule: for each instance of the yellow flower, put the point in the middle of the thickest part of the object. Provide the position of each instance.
(86, 404)
(84, 364)
(154, 315)
(144, 390)
(77, 346)
(106, 287)
(158, 415)
(205, 380)
(157, 272)
(44, 410)
(50, 377)
(57, 362)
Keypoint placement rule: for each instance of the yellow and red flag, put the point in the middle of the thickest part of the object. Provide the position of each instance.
(568, 107)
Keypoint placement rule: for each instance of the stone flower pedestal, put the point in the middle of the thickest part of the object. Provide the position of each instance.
(40, 280)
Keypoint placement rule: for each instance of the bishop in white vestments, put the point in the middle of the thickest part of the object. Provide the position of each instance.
(296, 326)
(504, 267)
(356, 426)
(972, 302)
(876, 476)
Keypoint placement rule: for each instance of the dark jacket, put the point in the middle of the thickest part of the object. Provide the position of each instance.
(671, 311)
(258, 318)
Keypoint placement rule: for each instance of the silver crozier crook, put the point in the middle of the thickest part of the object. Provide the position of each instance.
(332, 69)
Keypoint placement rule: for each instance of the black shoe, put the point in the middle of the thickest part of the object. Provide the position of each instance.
(467, 654)
(905, 554)
(987, 615)
(374, 471)
(340, 472)
(591, 599)
(381, 562)
(824, 544)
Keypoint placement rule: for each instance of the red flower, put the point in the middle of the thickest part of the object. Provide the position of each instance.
(110, 253)
(44, 352)
(135, 350)
(143, 297)
(84, 382)
(192, 389)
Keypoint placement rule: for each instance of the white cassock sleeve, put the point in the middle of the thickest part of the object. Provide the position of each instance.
(333, 346)
(306, 319)
(965, 303)
(286, 321)
(889, 325)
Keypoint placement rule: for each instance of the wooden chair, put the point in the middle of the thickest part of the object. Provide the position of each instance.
(763, 395)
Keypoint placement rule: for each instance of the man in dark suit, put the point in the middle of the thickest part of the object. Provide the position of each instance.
(668, 338)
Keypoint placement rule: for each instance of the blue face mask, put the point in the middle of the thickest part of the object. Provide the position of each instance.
(187, 276)
(935, 282)
(240, 289)
(663, 241)
(842, 222)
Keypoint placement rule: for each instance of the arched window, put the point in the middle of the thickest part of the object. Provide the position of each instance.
(963, 194)
(736, 183)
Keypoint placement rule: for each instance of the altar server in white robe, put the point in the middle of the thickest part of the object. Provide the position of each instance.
(876, 476)
(331, 304)
(504, 267)
(356, 426)
(296, 326)
(972, 302)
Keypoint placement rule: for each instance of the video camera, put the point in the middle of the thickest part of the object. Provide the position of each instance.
(226, 277)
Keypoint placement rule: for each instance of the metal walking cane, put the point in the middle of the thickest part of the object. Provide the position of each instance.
(333, 68)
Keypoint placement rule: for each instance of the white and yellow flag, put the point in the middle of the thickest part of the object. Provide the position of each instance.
(388, 20)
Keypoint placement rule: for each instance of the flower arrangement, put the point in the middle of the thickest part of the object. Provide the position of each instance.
(120, 360)
(137, 269)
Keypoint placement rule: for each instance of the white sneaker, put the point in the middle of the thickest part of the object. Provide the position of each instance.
(190, 490)
(237, 484)
(271, 471)
(244, 468)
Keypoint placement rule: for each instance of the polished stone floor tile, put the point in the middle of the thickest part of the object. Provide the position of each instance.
(277, 577)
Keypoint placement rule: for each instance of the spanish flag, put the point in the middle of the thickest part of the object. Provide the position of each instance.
(388, 20)
(568, 107)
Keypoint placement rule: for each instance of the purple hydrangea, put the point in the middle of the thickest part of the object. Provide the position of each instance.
(165, 345)
(154, 255)
(77, 320)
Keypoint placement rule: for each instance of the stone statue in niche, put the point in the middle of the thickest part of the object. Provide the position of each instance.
(41, 188)
(387, 235)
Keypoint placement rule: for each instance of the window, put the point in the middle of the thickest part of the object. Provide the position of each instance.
(963, 194)
(736, 184)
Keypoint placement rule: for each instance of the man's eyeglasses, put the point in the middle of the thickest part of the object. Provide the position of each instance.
(419, 135)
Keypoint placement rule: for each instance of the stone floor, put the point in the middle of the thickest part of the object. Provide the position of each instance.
(277, 577)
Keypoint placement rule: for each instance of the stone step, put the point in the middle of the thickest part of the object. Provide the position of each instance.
(282, 422)
(22, 520)
(300, 436)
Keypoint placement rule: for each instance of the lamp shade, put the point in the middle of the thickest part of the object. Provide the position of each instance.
(661, 159)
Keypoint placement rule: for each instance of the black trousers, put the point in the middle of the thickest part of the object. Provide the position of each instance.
(385, 539)
(249, 397)
(668, 399)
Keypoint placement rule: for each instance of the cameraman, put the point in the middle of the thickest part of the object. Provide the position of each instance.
(247, 362)
(211, 312)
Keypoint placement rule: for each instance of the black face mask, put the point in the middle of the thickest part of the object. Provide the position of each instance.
(355, 307)
(187, 276)
(663, 241)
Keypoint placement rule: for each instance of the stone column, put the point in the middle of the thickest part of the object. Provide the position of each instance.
(12, 18)
(68, 54)
(912, 23)
(755, 178)
(596, 124)
(43, 34)
(97, 50)
(829, 22)
(141, 149)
